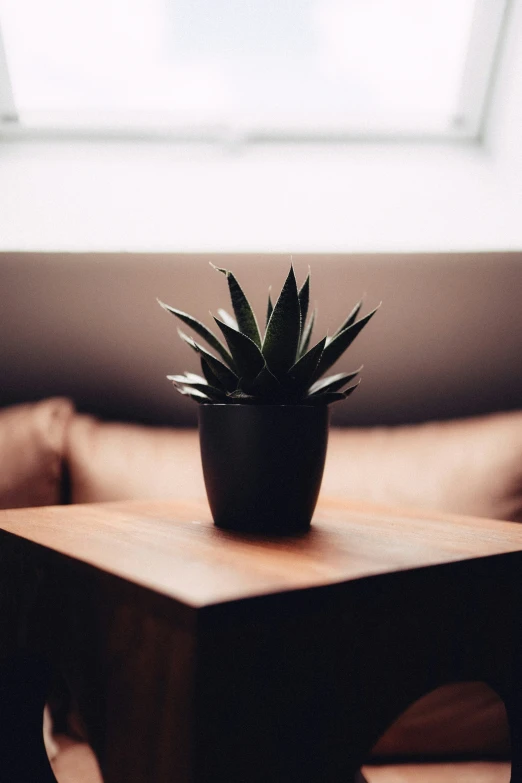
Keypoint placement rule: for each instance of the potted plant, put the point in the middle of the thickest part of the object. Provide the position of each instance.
(263, 414)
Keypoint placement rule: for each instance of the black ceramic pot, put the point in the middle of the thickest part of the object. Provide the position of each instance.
(263, 465)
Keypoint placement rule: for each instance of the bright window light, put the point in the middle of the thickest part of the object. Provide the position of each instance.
(266, 67)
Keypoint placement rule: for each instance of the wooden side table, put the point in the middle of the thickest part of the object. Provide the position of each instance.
(198, 656)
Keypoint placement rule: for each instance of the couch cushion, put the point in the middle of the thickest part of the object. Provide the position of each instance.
(31, 453)
(110, 461)
(469, 466)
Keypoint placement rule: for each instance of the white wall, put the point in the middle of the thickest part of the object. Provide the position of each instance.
(446, 343)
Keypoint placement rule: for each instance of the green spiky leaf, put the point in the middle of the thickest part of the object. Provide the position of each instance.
(351, 318)
(325, 399)
(194, 377)
(210, 376)
(307, 334)
(226, 377)
(269, 309)
(227, 318)
(266, 383)
(303, 370)
(194, 394)
(329, 397)
(200, 329)
(240, 397)
(247, 357)
(210, 391)
(246, 320)
(284, 371)
(333, 383)
(304, 299)
(283, 330)
(335, 349)
(351, 389)
(188, 378)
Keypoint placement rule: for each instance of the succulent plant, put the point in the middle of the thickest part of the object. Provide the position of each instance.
(273, 367)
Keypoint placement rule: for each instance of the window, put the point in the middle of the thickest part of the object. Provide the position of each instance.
(265, 69)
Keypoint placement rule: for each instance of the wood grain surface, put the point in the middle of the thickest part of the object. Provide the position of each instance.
(173, 548)
(197, 656)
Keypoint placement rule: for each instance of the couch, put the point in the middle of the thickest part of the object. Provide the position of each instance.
(88, 415)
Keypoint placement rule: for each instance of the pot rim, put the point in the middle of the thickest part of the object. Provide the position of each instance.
(260, 405)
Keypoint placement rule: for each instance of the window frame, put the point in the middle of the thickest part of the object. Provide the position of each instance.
(487, 39)
(487, 36)
(8, 113)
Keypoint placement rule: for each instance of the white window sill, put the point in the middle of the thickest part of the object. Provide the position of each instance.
(87, 196)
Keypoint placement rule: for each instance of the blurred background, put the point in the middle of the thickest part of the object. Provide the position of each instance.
(375, 140)
(260, 125)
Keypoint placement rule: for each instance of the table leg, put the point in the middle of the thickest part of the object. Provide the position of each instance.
(23, 688)
(513, 703)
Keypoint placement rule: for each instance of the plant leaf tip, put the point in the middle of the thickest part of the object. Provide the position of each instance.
(225, 272)
(163, 304)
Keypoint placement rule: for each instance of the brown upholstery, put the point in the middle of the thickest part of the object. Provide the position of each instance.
(125, 461)
(469, 466)
(31, 451)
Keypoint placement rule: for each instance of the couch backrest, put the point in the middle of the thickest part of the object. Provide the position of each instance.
(447, 341)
